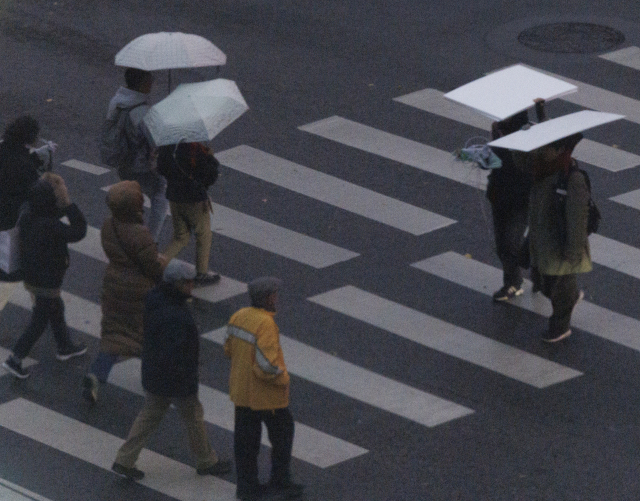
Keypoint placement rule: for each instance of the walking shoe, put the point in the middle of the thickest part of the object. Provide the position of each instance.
(507, 292)
(220, 468)
(14, 366)
(90, 388)
(554, 338)
(203, 279)
(73, 350)
(132, 473)
(286, 490)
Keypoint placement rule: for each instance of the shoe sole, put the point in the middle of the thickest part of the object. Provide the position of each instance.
(559, 338)
(15, 372)
(128, 476)
(519, 292)
(67, 356)
(88, 390)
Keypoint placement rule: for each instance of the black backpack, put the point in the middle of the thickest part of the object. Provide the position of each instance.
(593, 220)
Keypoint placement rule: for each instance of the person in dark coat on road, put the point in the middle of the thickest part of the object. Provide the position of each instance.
(170, 353)
(45, 258)
(19, 168)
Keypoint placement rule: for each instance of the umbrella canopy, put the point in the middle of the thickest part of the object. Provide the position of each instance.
(511, 90)
(164, 51)
(552, 130)
(195, 112)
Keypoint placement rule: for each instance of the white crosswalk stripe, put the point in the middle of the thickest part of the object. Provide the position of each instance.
(364, 385)
(591, 152)
(445, 337)
(486, 279)
(12, 492)
(331, 190)
(86, 167)
(398, 149)
(97, 447)
(629, 56)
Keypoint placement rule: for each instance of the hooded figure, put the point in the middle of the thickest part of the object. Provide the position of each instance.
(134, 268)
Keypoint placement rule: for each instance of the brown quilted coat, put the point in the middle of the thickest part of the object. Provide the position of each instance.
(134, 268)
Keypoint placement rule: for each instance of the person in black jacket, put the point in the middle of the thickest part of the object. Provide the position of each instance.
(508, 192)
(190, 169)
(44, 260)
(19, 168)
(170, 353)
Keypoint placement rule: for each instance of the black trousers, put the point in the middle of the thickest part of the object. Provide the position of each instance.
(246, 445)
(509, 225)
(45, 310)
(563, 292)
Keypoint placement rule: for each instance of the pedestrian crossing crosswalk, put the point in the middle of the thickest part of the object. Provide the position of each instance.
(320, 448)
(12, 492)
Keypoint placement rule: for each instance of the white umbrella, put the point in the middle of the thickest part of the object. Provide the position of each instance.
(195, 112)
(165, 51)
(552, 130)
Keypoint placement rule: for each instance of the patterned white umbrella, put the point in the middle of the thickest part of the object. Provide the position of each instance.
(195, 112)
(164, 51)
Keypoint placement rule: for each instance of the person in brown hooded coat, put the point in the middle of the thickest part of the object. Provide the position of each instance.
(134, 268)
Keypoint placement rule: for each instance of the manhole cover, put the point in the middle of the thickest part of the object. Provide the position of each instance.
(576, 38)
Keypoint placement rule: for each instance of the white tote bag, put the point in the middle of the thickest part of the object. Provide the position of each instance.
(9, 250)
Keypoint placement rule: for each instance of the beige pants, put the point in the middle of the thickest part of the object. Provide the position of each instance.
(188, 218)
(148, 420)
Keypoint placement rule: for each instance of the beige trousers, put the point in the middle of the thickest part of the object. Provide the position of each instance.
(188, 218)
(148, 420)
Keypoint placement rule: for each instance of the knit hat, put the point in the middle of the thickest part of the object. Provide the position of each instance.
(264, 285)
(178, 270)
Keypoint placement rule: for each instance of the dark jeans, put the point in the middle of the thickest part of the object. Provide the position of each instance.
(46, 310)
(509, 225)
(563, 292)
(246, 445)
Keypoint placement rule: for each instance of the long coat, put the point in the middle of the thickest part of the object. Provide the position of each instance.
(547, 252)
(132, 271)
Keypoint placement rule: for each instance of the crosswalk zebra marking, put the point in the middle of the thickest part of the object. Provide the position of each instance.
(361, 384)
(445, 337)
(86, 167)
(486, 279)
(616, 255)
(313, 445)
(275, 239)
(13, 492)
(310, 445)
(629, 57)
(591, 152)
(399, 149)
(630, 199)
(332, 190)
(99, 448)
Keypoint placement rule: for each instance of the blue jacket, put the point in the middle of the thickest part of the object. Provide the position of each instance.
(170, 348)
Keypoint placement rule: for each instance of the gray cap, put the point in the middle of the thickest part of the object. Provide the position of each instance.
(264, 285)
(178, 270)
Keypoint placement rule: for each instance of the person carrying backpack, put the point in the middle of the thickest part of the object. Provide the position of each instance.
(558, 233)
(190, 169)
(125, 145)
